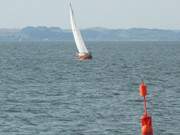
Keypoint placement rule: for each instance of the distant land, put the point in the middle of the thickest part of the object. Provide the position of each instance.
(43, 33)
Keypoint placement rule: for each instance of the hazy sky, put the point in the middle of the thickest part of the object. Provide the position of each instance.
(91, 13)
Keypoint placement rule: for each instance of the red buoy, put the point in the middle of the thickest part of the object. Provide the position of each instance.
(146, 120)
(143, 89)
(146, 125)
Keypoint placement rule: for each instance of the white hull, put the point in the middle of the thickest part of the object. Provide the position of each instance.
(84, 56)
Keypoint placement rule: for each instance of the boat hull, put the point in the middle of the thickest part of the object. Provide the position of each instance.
(84, 56)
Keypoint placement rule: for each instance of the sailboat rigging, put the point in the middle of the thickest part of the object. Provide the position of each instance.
(83, 53)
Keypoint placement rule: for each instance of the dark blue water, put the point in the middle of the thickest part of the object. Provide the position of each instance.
(45, 90)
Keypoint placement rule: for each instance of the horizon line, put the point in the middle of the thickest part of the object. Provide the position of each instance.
(97, 27)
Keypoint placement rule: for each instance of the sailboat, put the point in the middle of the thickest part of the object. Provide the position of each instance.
(83, 53)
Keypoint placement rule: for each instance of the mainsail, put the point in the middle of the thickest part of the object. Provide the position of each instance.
(77, 34)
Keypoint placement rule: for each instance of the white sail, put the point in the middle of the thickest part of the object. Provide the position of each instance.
(77, 34)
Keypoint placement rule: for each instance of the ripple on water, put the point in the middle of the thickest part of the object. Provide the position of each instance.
(44, 90)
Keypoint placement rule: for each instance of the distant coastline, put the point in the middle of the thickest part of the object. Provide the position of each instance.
(43, 33)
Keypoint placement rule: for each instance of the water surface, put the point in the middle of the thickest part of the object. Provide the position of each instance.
(45, 90)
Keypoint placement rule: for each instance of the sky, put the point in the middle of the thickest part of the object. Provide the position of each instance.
(91, 13)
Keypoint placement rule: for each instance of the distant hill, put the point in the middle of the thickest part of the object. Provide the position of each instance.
(91, 34)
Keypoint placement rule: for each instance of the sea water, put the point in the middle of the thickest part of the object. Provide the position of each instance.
(45, 90)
